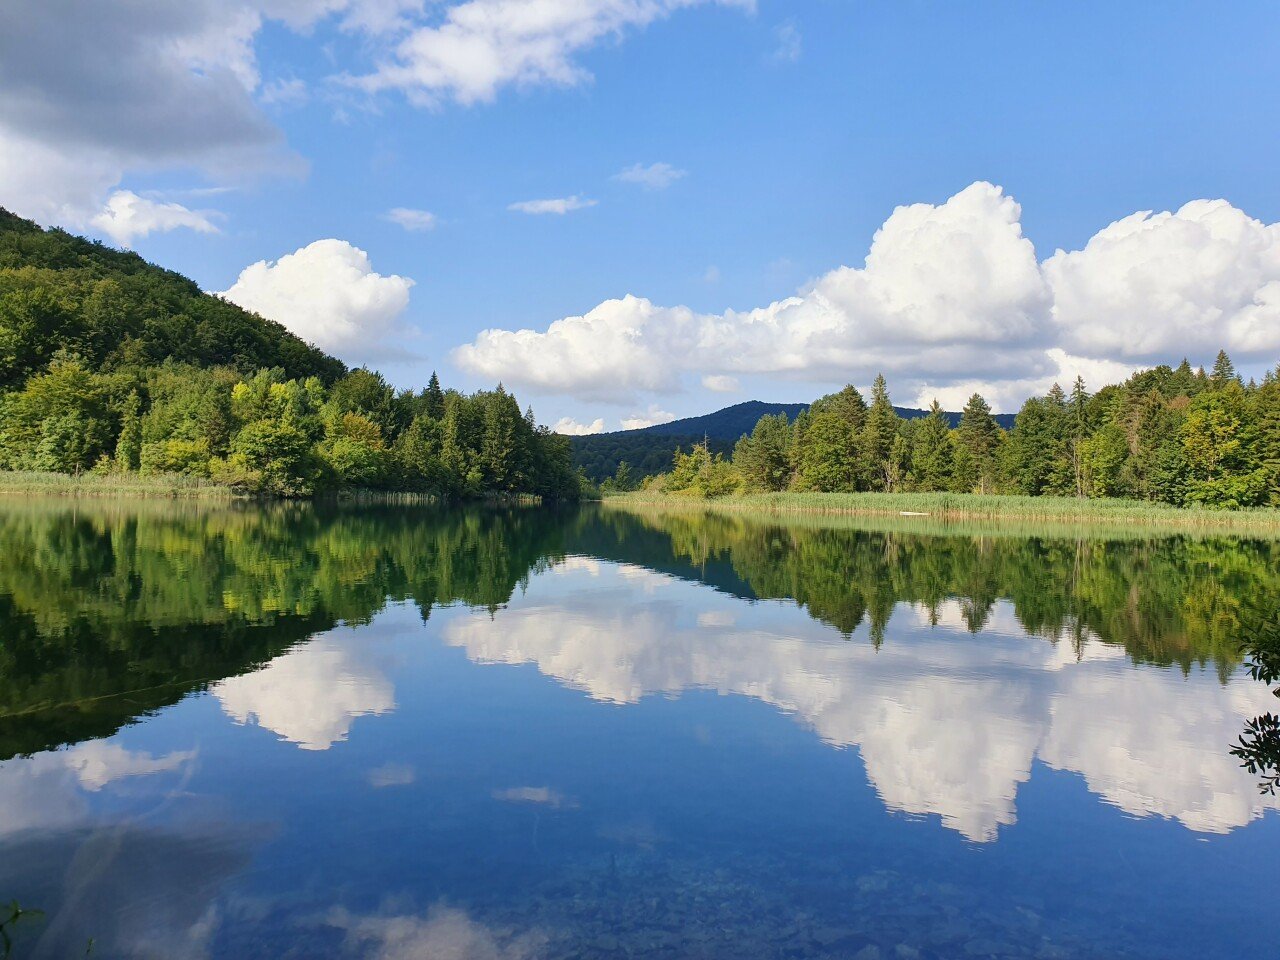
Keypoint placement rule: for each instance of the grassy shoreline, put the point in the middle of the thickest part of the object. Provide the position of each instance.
(935, 508)
(34, 483)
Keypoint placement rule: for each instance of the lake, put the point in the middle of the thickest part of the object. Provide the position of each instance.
(307, 731)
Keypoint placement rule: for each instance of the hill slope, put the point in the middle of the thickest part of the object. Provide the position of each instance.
(114, 309)
(649, 450)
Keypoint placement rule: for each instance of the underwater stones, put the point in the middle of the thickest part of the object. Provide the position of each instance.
(829, 936)
(873, 882)
(983, 947)
(904, 951)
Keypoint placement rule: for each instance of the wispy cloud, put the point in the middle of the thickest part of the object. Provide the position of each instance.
(414, 220)
(790, 43)
(283, 92)
(656, 176)
(557, 205)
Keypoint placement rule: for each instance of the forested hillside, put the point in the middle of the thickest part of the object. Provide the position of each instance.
(113, 309)
(109, 363)
(1175, 435)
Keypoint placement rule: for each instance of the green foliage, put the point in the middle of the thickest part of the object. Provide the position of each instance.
(764, 457)
(61, 420)
(114, 310)
(932, 452)
(701, 473)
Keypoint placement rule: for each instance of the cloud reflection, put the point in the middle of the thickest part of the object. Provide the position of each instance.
(311, 695)
(947, 723)
(445, 933)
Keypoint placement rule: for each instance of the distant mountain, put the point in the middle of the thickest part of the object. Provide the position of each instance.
(649, 450)
(727, 424)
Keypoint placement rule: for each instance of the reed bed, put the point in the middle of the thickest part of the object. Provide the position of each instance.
(935, 508)
(33, 483)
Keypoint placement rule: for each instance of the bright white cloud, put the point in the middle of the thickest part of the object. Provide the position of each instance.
(656, 176)
(480, 46)
(950, 299)
(128, 216)
(556, 205)
(572, 428)
(719, 383)
(619, 348)
(328, 294)
(1148, 288)
(412, 220)
(651, 417)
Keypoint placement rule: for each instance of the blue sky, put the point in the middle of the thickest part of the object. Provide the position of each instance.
(792, 131)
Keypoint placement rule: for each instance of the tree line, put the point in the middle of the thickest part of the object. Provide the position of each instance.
(1169, 434)
(109, 363)
(271, 434)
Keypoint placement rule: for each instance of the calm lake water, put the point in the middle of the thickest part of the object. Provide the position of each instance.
(402, 733)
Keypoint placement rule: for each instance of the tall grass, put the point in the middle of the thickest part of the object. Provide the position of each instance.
(964, 506)
(33, 483)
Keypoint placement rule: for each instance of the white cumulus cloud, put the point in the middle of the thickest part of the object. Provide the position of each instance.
(127, 216)
(328, 294)
(556, 205)
(572, 428)
(480, 46)
(720, 383)
(1149, 287)
(649, 418)
(951, 299)
(412, 220)
(655, 176)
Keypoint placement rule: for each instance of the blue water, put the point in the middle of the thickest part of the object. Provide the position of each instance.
(623, 762)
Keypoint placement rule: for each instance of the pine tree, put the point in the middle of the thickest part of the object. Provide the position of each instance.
(1224, 371)
(932, 452)
(979, 435)
(764, 457)
(878, 434)
(1079, 427)
(434, 398)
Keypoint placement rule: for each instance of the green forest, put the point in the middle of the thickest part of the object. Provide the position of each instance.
(111, 364)
(1171, 435)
